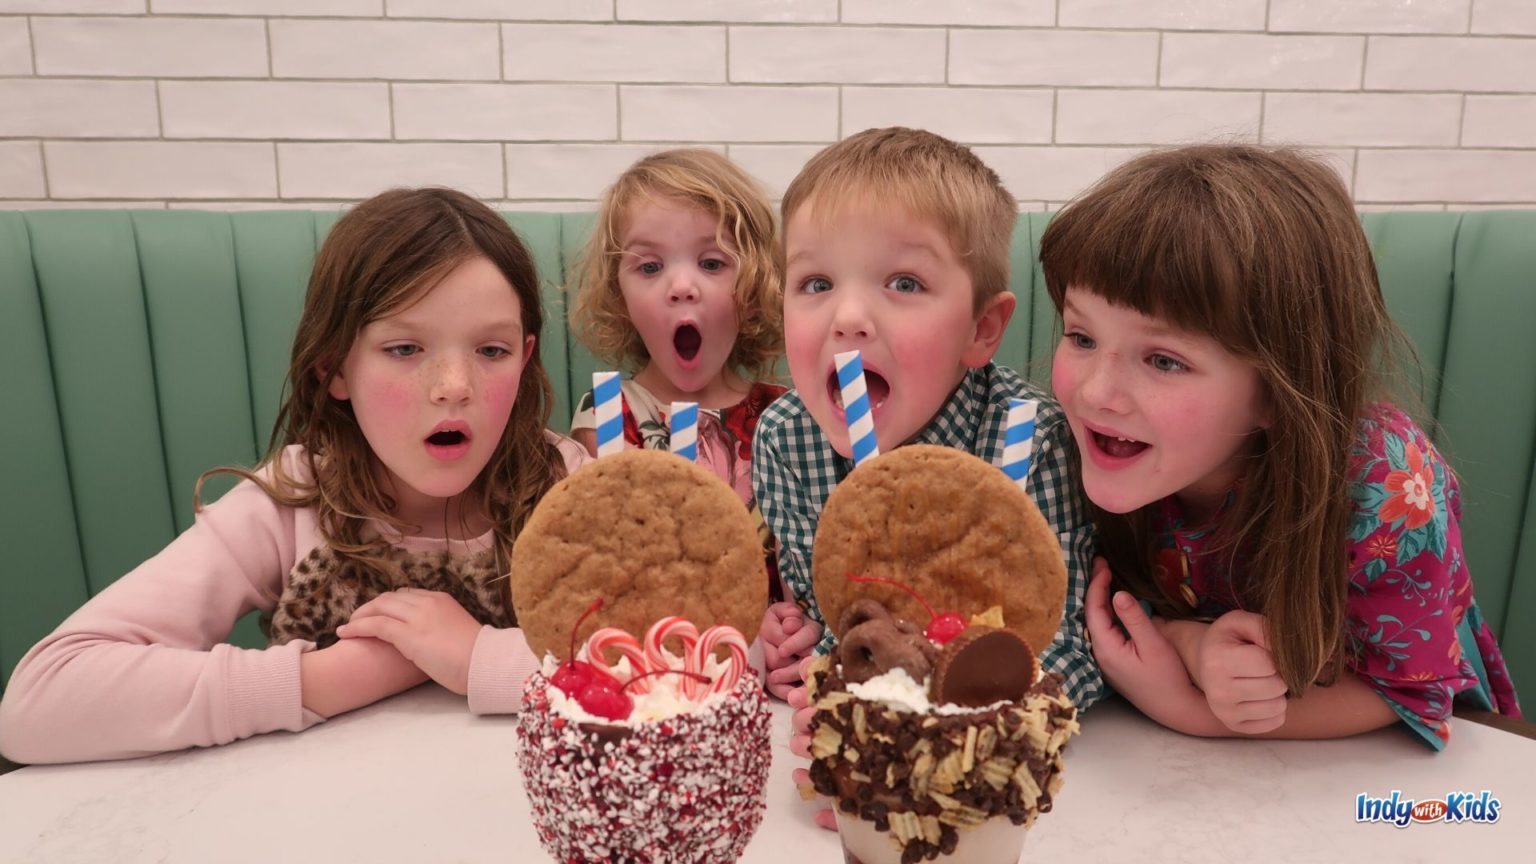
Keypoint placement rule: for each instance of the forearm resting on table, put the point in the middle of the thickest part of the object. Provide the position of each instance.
(1346, 707)
(353, 673)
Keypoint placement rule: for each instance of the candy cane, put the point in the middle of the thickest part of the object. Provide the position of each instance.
(657, 655)
(736, 666)
(627, 646)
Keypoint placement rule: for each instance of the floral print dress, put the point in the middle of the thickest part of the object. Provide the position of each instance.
(725, 443)
(1415, 633)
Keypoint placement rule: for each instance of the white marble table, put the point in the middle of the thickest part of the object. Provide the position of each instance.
(418, 779)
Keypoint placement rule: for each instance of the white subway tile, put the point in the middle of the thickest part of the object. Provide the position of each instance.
(21, 170)
(1471, 63)
(739, 113)
(523, 205)
(1052, 173)
(571, 171)
(1472, 176)
(967, 114)
(93, 204)
(1245, 60)
(74, 7)
(355, 171)
(613, 52)
(841, 55)
(247, 206)
(1369, 16)
(506, 112)
(764, 11)
(78, 109)
(773, 165)
(385, 49)
(274, 109)
(1362, 119)
(270, 8)
(159, 169)
(15, 47)
(505, 10)
(151, 47)
(1473, 208)
(1341, 160)
(974, 13)
(1052, 57)
(1164, 14)
(1500, 121)
(1504, 17)
(1155, 116)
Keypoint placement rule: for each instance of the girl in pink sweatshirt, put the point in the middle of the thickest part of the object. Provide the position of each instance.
(374, 536)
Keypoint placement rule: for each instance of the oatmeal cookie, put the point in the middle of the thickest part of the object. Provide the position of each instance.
(947, 525)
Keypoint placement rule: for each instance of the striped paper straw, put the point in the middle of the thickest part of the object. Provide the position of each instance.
(861, 420)
(1019, 439)
(608, 405)
(685, 430)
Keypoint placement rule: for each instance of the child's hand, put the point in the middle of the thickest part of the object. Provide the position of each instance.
(429, 627)
(1141, 664)
(800, 745)
(1237, 673)
(788, 637)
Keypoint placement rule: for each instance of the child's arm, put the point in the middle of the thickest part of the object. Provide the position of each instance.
(141, 668)
(783, 501)
(1059, 495)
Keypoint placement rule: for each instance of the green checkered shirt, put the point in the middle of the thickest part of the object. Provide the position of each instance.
(794, 469)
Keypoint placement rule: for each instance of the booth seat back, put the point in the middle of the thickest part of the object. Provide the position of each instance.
(139, 349)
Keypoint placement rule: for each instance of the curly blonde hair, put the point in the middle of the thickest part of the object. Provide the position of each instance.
(745, 230)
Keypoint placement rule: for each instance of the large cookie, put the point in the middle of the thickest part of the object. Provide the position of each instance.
(949, 526)
(649, 532)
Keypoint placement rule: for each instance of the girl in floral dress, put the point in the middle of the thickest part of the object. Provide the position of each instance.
(1298, 537)
(680, 284)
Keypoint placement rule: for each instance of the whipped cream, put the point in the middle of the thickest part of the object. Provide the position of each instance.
(664, 699)
(898, 690)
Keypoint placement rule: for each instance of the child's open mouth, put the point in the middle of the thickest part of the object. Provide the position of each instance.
(687, 340)
(874, 384)
(1117, 447)
(448, 443)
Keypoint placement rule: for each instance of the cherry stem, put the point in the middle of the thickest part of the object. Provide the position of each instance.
(702, 679)
(894, 584)
(596, 605)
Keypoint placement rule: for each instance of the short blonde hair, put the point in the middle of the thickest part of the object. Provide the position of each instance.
(928, 176)
(746, 231)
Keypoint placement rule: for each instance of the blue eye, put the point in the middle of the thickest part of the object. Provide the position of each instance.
(402, 350)
(1164, 363)
(650, 268)
(905, 285)
(816, 285)
(494, 352)
(712, 265)
(1079, 340)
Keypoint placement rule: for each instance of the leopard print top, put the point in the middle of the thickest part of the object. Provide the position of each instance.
(324, 589)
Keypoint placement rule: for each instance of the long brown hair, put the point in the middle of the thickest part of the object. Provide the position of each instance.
(1259, 248)
(379, 258)
(744, 228)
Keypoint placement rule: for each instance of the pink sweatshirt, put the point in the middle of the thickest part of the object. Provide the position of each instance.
(142, 667)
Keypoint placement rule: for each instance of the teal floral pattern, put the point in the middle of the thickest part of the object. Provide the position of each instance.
(1414, 630)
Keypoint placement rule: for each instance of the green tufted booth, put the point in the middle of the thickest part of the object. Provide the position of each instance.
(140, 348)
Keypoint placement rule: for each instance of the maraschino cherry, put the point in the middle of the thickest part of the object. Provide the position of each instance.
(574, 675)
(942, 627)
(603, 698)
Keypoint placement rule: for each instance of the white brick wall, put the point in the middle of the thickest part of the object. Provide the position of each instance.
(1421, 104)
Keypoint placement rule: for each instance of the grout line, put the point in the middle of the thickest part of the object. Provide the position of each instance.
(266, 29)
(32, 45)
(1157, 80)
(618, 112)
(1461, 123)
(42, 158)
(501, 52)
(390, 87)
(159, 109)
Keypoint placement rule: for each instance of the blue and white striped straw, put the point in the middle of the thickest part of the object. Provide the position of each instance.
(608, 406)
(856, 407)
(1019, 439)
(685, 430)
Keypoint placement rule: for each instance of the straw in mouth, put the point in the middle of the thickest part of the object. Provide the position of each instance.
(874, 383)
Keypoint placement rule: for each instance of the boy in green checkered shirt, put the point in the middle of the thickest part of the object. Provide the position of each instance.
(897, 244)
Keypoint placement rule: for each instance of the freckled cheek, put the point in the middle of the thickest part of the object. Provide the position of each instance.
(390, 400)
(500, 395)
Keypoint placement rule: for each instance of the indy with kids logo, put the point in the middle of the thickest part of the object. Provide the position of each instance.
(1456, 807)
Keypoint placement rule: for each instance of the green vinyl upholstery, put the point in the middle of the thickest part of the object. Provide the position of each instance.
(141, 348)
